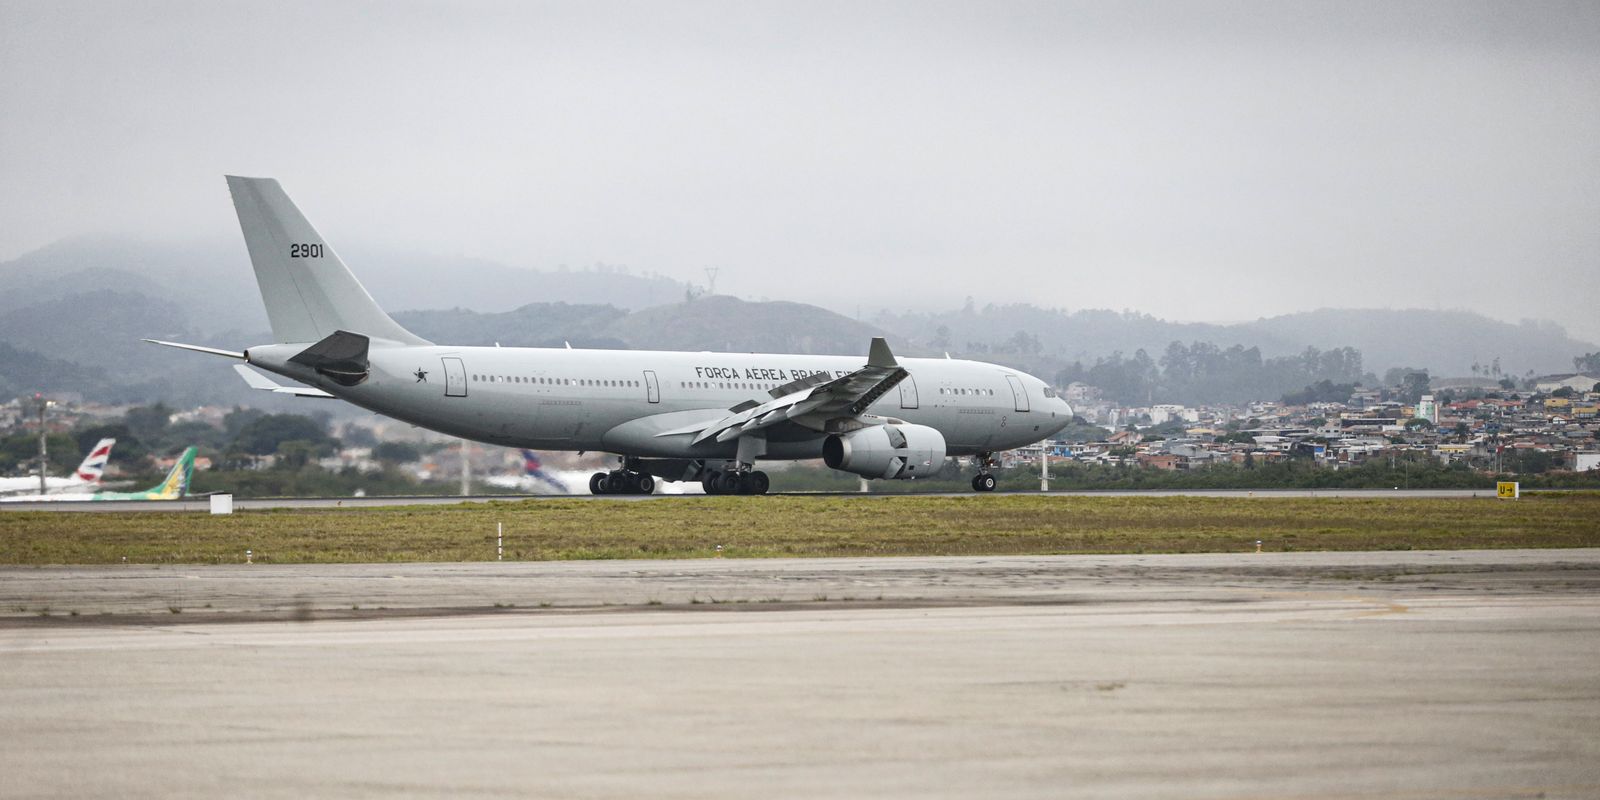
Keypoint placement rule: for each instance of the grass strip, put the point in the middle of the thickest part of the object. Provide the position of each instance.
(775, 526)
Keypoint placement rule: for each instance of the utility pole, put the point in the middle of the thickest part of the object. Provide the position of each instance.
(44, 454)
(466, 471)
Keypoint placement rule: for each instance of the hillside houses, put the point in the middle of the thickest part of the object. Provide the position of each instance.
(1487, 431)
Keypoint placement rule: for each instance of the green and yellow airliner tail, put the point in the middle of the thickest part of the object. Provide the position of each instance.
(174, 487)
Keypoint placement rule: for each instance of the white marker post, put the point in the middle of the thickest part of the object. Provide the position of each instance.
(1044, 468)
(499, 541)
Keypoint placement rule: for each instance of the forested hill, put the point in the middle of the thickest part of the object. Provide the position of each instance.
(1445, 342)
(704, 323)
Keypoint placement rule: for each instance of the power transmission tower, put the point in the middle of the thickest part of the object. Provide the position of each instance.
(44, 454)
(711, 280)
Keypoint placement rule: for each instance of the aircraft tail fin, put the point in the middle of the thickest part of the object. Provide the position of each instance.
(94, 464)
(177, 483)
(308, 291)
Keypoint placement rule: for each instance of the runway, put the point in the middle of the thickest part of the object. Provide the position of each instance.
(1462, 674)
(203, 504)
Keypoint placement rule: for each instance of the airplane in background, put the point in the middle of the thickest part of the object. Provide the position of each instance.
(674, 416)
(85, 478)
(174, 487)
(532, 479)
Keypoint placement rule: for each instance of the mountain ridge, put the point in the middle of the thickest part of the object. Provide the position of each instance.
(81, 305)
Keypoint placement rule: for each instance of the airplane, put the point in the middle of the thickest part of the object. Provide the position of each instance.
(673, 416)
(533, 477)
(174, 487)
(85, 477)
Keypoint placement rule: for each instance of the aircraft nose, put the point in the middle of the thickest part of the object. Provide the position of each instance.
(1063, 416)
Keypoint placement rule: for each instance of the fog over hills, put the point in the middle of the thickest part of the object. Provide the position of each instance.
(213, 283)
(71, 316)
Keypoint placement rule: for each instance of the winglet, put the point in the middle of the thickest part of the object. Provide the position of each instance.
(879, 355)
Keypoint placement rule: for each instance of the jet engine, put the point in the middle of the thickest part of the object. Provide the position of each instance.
(887, 451)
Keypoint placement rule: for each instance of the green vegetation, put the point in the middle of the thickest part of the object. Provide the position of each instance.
(19, 453)
(1202, 372)
(1415, 472)
(755, 527)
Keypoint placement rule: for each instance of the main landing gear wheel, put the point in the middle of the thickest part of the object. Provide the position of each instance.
(983, 482)
(621, 483)
(736, 483)
(758, 482)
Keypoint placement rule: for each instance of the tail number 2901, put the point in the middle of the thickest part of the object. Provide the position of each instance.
(305, 251)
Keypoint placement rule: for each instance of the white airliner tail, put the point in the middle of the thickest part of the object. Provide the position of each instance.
(308, 291)
(94, 464)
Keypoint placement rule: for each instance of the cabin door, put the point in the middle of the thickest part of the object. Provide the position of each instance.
(1018, 393)
(652, 389)
(455, 377)
(908, 392)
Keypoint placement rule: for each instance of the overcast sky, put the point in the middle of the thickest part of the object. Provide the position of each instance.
(1197, 161)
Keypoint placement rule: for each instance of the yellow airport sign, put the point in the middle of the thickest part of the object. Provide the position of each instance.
(1508, 490)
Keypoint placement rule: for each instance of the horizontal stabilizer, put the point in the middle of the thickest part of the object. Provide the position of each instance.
(266, 384)
(198, 349)
(342, 356)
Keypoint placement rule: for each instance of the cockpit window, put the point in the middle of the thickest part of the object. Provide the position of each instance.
(1049, 392)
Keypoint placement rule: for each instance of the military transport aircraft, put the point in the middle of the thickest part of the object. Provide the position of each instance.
(174, 487)
(708, 417)
(85, 478)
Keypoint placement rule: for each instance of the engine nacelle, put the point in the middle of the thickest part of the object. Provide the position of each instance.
(887, 451)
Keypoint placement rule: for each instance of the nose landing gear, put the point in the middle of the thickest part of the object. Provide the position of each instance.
(984, 481)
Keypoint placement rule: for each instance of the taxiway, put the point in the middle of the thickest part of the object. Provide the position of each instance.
(1417, 675)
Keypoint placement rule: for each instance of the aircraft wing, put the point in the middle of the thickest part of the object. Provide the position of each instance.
(266, 384)
(815, 402)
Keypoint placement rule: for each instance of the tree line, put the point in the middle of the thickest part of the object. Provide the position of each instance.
(1202, 372)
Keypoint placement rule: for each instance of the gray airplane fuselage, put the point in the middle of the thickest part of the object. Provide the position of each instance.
(619, 401)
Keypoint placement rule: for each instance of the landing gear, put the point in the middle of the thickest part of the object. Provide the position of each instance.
(984, 481)
(621, 482)
(732, 482)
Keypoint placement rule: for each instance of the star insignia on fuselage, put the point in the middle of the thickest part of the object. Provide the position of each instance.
(422, 375)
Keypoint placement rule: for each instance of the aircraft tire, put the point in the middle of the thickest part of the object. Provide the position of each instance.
(759, 482)
(730, 483)
(710, 483)
(984, 482)
(643, 484)
(597, 483)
